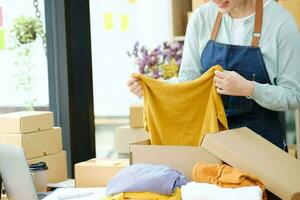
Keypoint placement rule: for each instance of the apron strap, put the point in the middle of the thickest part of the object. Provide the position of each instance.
(258, 23)
(257, 26)
(215, 31)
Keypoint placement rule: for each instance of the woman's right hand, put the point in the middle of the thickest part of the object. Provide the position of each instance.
(135, 87)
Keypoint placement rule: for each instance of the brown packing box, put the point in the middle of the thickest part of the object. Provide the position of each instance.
(197, 3)
(97, 172)
(124, 136)
(25, 121)
(181, 158)
(57, 164)
(136, 116)
(293, 6)
(246, 150)
(36, 144)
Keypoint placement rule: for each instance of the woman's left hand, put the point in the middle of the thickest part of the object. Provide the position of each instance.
(233, 84)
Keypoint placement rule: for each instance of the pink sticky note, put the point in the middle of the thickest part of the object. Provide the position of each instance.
(1, 17)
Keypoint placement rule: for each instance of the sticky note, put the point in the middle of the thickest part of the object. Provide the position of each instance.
(132, 1)
(108, 21)
(1, 16)
(2, 39)
(124, 22)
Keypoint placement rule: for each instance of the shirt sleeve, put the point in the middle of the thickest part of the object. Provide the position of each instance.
(285, 95)
(190, 65)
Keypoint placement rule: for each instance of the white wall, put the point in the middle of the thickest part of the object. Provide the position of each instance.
(148, 23)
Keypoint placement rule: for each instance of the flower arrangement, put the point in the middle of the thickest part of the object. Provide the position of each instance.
(163, 62)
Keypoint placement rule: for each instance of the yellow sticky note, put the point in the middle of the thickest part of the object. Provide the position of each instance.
(2, 39)
(132, 1)
(124, 22)
(108, 21)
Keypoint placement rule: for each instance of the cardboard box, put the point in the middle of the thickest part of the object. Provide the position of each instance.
(25, 122)
(125, 135)
(97, 172)
(197, 3)
(181, 158)
(293, 6)
(292, 150)
(36, 144)
(57, 166)
(136, 116)
(247, 151)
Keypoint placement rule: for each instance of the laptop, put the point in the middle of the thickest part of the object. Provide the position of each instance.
(15, 174)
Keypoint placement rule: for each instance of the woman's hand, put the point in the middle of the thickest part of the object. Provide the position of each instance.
(135, 87)
(233, 84)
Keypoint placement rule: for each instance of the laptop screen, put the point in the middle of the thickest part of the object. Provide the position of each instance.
(15, 173)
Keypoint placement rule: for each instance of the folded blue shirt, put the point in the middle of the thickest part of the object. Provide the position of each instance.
(146, 178)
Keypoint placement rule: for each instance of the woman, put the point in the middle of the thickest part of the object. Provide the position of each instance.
(256, 43)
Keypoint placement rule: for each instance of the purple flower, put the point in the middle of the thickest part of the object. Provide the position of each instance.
(149, 62)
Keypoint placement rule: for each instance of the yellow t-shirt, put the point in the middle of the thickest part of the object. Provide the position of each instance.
(182, 113)
(145, 196)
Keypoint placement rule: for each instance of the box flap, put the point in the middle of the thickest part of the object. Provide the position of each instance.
(246, 150)
(181, 158)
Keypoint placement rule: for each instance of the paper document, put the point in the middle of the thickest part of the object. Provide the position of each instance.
(77, 193)
(70, 183)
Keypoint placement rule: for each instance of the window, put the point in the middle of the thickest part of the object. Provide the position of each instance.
(23, 68)
(115, 27)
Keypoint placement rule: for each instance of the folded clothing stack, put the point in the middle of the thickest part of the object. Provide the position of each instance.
(196, 191)
(160, 182)
(226, 176)
(146, 180)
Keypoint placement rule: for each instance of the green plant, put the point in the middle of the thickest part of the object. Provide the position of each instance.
(23, 35)
(26, 29)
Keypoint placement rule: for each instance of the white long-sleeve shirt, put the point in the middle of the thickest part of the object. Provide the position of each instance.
(280, 46)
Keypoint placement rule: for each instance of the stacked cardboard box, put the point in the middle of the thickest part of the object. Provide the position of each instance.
(293, 6)
(134, 132)
(34, 132)
(125, 135)
(136, 116)
(240, 148)
(97, 172)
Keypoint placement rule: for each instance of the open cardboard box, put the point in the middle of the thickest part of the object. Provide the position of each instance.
(240, 148)
(181, 158)
(247, 151)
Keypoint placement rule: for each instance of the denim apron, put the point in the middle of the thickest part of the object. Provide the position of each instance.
(248, 62)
